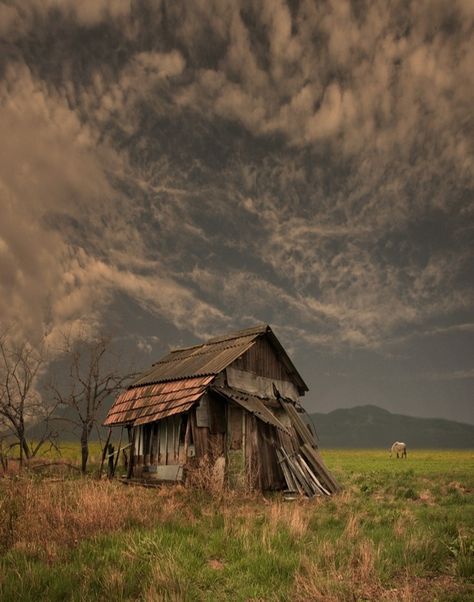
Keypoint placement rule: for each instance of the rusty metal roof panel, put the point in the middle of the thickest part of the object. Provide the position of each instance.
(166, 414)
(153, 402)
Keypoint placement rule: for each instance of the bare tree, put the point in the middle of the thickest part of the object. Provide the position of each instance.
(21, 402)
(92, 376)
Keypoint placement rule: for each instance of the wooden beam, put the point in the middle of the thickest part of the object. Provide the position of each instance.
(104, 452)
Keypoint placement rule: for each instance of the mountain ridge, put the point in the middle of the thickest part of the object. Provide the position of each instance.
(371, 426)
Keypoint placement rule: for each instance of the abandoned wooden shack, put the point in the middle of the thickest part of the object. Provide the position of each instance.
(233, 402)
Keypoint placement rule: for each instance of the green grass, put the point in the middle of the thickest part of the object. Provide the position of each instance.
(423, 462)
(400, 530)
(69, 451)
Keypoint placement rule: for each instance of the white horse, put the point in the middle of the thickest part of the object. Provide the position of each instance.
(399, 448)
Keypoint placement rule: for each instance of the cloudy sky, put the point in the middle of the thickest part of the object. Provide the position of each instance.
(172, 170)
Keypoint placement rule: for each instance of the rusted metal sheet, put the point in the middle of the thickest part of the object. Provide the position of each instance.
(164, 414)
(140, 405)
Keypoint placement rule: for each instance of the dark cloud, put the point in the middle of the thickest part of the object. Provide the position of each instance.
(220, 163)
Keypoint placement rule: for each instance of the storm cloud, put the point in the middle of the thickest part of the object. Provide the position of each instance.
(204, 166)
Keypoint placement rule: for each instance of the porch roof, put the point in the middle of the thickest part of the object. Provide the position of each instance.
(149, 403)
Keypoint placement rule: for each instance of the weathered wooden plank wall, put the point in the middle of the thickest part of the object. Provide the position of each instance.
(262, 359)
(270, 471)
(253, 465)
(217, 414)
(235, 428)
(200, 436)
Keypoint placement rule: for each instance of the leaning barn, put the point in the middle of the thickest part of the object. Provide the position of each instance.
(233, 402)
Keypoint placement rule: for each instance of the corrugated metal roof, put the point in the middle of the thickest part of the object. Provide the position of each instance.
(207, 359)
(239, 337)
(255, 330)
(252, 404)
(148, 403)
(143, 402)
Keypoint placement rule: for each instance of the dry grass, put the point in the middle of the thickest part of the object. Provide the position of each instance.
(204, 475)
(352, 530)
(324, 579)
(184, 543)
(294, 516)
(42, 517)
(400, 526)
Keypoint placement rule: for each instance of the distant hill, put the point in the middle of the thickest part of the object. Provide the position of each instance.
(359, 427)
(371, 426)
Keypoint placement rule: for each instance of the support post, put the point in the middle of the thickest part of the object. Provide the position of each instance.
(131, 461)
(104, 452)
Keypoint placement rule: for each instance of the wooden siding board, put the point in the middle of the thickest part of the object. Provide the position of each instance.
(202, 412)
(262, 359)
(253, 460)
(218, 444)
(234, 428)
(162, 449)
(200, 436)
(217, 416)
(271, 473)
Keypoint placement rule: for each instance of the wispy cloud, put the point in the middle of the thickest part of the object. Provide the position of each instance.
(220, 162)
(454, 375)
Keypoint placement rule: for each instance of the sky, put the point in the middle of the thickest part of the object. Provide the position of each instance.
(170, 171)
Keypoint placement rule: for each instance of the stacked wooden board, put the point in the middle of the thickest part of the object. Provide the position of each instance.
(301, 463)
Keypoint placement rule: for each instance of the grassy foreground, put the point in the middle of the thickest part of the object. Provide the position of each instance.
(401, 530)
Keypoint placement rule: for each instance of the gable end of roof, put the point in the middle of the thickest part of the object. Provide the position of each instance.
(213, 356)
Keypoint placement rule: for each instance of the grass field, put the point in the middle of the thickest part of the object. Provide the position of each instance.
(401, 530)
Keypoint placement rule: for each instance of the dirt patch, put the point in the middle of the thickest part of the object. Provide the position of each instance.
(427, 589)
(426, 497)
(215, 564)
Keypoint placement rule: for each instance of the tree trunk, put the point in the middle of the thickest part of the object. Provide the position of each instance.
(23, 444)
(26, 449)
(21, 453)
(84, 448)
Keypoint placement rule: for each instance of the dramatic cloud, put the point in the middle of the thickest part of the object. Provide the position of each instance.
(308, 164)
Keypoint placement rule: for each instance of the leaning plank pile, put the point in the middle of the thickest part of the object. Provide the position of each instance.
(301, 463)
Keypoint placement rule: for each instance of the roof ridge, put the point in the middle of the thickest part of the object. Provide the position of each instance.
(237, 334)
(177, 359)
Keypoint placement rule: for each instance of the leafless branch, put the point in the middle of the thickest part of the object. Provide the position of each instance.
(20, 399)
(93, 375)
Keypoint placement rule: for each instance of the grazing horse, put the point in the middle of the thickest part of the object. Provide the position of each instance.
(399, 448)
